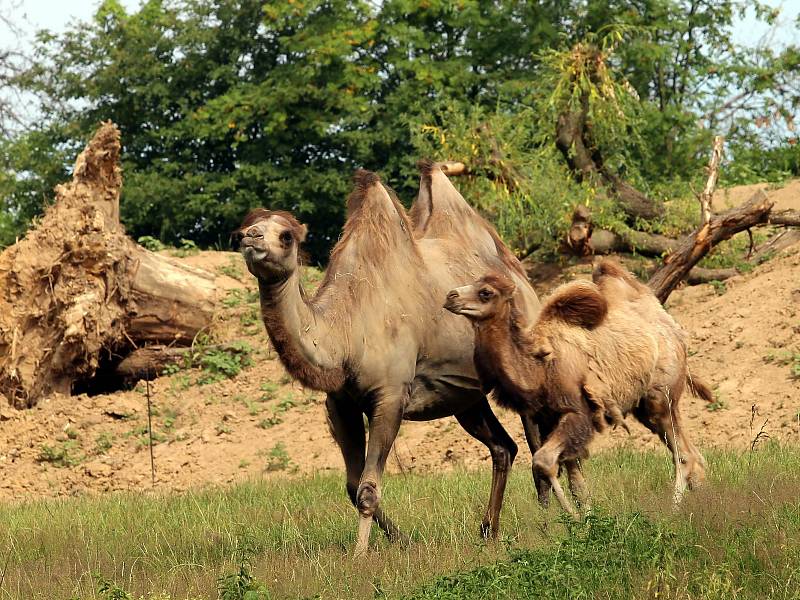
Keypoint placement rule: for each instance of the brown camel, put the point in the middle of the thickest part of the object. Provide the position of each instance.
(375, 336)
(597, 351)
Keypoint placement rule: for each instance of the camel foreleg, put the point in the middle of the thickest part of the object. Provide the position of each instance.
(479, 421)
(346, 423)
(565, 444)
(384, 422)
(534, 432)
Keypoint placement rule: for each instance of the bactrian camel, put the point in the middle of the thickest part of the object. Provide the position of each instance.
(596, 352)
(375, 336)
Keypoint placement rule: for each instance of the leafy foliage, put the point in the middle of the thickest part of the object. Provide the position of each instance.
(229, 105)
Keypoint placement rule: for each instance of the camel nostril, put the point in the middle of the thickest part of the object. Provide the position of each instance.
(452, 295)
(254, 232)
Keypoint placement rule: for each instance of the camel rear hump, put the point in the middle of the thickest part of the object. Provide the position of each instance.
(616, 282)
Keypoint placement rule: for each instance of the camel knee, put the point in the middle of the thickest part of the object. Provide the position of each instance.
(503, 455)
(367, 498)
(545, 462)
(695, 467)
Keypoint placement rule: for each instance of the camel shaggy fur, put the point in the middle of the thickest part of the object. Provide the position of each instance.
(598, 351)
(375, 336)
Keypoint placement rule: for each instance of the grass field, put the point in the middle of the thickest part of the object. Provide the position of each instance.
(739, 537)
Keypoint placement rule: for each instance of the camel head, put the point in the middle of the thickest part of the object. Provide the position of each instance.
(484, 299)
(270, 241)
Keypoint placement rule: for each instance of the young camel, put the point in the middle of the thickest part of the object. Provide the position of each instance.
(375, 336)
(598, 350)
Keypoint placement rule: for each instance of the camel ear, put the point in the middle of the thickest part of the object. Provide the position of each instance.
(579, 303)
(301, 233)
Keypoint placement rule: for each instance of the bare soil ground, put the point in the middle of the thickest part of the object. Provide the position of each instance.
(745, 342)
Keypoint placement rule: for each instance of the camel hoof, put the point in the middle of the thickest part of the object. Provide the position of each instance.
(487, 531)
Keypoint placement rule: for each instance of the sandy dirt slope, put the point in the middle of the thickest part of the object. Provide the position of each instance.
(260, 424)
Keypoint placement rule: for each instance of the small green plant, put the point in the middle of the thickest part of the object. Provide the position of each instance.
(719, 287)
(790, 358)
(151, 243)
(103, 443)
(71, 433)
(172, 368)
(286, 403)
(717, 404)
(278, 459)
(109, 590)
(187, 248)
(222, 429)
(270, 389)
(243, 464)
(253, 409)
(223, 363)
(233, 298)
(251, 317)
(232, 269)
(270, 421)
(64, 454)
(241, 585)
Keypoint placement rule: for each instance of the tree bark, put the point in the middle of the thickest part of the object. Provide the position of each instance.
(695, 246)
(584, 159)
(789, 218)
(700, 275)
(149, 362)
(76, 288)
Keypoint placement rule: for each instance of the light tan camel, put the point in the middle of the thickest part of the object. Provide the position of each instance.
(375, 336)
(598, 350)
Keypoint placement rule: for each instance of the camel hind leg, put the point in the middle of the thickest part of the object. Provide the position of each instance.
(481, 423)
(659, 412)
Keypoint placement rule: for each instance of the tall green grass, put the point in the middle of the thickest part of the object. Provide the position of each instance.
(738, 537)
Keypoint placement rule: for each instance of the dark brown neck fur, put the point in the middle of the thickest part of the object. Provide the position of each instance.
(313, 376)
(499, 344)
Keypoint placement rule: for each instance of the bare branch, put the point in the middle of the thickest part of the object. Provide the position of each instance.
(711, 183)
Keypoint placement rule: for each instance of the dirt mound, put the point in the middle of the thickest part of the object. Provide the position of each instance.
(211, 429)
(786, 197)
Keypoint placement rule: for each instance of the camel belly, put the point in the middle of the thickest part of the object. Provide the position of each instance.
(440, 396)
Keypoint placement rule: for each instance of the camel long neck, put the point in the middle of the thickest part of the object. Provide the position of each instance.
(303, 337)
(498, 349)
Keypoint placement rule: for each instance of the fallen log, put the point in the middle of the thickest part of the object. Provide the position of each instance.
(152, 361)
(700, 275)
(584, 239)
(76, 289)
(788, 218)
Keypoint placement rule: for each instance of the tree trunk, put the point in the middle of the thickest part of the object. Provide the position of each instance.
(584, 159)
(695, 246)
(76, 289)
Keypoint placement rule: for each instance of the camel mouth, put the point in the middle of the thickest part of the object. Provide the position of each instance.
(255, 254)
(459, 308)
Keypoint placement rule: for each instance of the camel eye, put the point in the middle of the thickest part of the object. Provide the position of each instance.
(286, 237)
(485, 295)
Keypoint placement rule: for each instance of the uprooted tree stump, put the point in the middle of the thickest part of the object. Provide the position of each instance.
(76, 293)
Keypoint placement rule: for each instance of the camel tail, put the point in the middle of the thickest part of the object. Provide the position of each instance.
(699, 388)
